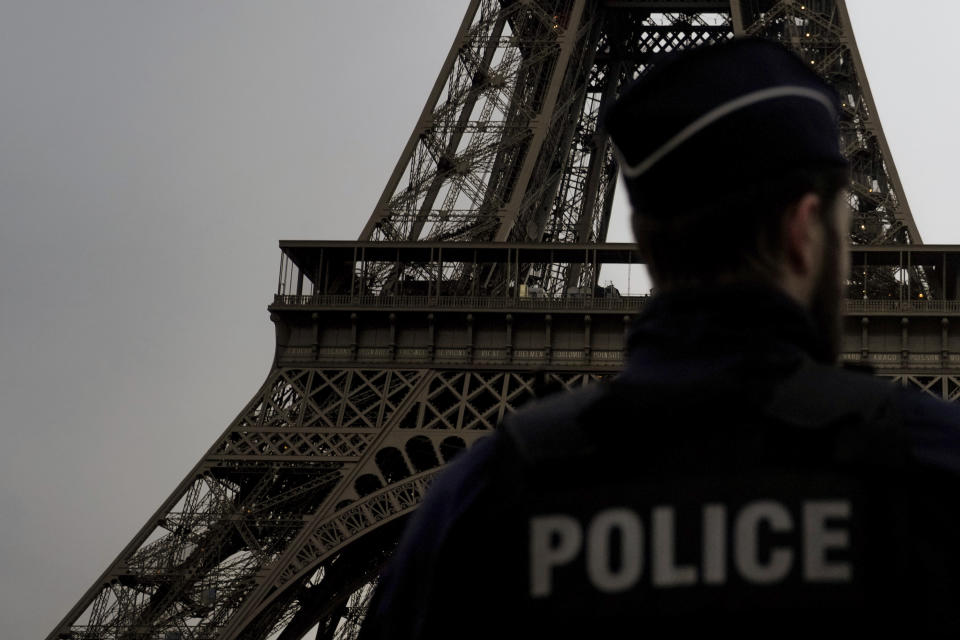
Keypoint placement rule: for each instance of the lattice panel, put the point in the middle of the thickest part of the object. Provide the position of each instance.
(201, 558)
(943, 387)
(280, 401)
(816, 31)
(355, 520)
(331, 446)
(318, 414)
(626, 47)
(459, 169)
(478, 400)
(498, 160)
(930, 385)
(448, 402)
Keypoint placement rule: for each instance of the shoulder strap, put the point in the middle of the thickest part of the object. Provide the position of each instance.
(819, 395)
(869, 427)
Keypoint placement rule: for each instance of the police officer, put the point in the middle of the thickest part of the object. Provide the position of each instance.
(732, 478)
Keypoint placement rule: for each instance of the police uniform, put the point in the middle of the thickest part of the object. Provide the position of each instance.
(730, 480)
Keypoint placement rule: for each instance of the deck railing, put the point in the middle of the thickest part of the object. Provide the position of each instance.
(902, 306)
(587, 303)
(623, 303)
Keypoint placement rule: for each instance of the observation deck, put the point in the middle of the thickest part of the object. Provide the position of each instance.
(476, 306)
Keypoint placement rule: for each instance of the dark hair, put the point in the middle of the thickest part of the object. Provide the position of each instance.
(738, 236)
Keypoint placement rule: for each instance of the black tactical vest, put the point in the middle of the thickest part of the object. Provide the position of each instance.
(775, 507)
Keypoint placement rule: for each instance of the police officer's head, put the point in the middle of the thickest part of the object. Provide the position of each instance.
(732, 161)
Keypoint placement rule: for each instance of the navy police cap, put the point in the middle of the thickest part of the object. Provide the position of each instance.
(711, 122)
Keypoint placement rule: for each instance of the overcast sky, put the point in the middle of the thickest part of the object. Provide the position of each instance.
(151, 155)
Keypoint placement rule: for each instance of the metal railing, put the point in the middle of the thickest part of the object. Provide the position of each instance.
(586, 303)
(623, 303)
(454, 355)
(902, 306)
(581, 357)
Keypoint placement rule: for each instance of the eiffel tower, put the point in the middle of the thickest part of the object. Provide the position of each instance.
(473, 288)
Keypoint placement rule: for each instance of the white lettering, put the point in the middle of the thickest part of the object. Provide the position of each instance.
(666, 573)
(818, 539)
(746, 549)
(714, 544)
(612, 546)
(602, 575)
(554, 540)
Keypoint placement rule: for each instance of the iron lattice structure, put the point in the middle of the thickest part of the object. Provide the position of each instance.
(386, 368)
(509, 148)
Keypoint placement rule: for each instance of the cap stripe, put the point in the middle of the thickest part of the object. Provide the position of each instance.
(718, 112)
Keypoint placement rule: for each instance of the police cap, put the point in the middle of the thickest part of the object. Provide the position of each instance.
(711, 122)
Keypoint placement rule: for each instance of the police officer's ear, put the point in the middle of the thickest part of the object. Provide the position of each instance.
(803, 238)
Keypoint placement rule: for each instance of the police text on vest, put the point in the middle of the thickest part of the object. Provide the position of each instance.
(823, 528)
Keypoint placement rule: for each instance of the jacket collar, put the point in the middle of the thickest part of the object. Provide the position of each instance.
(711, 329)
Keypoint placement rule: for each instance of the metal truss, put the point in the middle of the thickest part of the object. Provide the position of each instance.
(943, 387)
(488, 114)
(819, 32)
(283, 524)
(509, 145)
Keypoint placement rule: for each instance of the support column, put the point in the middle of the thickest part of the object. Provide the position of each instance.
(904, 337)
(944, 341)
(864, 339)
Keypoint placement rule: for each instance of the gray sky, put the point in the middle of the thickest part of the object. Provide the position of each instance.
(152, 154)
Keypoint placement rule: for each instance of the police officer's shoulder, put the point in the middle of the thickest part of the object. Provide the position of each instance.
(933, 427)
(548, 429)
(818, 394)
(902, 416)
